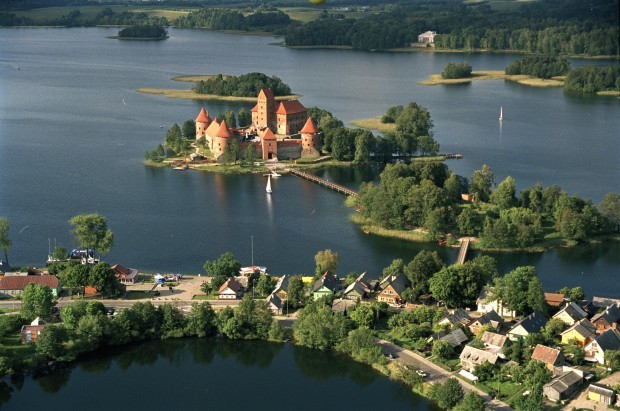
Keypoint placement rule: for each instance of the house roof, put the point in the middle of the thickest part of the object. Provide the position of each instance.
(356, 286)
(213, 128)
(554, 299)
(533, 323)
(456, 317)
(125, 273)
(291, 107)
(310, 128)
(546, 354)
(266, 92)
(485, 294)
(230, 283)
(455, 338)
(477, 356)
(365, 279)
(584, 328)
(19, 283)
(37, 321)
(573, 310)
(610, 315)
(608, 340)
(342, 304)
(275, 300)
(327, 280)
(493, 339)
(399, 283)
(223, 131)
(282, 284)
(268, 135)
(564, 381)
(203, 116)
(601, 390)
(489, 318)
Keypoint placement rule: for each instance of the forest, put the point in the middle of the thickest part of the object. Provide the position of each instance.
(245, 85)
(590, 79)
(264, 18)
(539, 66)
(75, 18)
(143, 31)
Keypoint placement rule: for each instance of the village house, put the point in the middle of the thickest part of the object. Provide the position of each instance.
(595, 349)
(554, 299)
(368, 282)
(533, 323)
(552, 357)
(601, 394)
(454, 338)
(356, 291)
(563, 386)
(230, 290)
(275, 304)
(491, 318)
(30, 333)
(455, 318)
(570, 314)
(324, 286)
(393, 289)
(343, 305)
(472, 357)
(493, 342)
(486, 303)
(581, 332)
(124, 275)
(607, 319)
(13, 286)
(281, 289)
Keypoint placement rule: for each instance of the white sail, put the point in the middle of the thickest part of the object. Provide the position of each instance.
(268, 189)
(501, 113)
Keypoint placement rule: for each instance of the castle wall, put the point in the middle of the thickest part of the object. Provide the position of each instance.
(290, 149)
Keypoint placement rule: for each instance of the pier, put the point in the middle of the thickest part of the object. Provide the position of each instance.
(460, 259)
(323, 182)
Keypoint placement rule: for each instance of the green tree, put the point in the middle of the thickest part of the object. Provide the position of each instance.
(60, 253)
(91, 232)
(102, 277)
(414, 120)
(448, 394)
(361, 345)
(5, 241)
(173, 323)
(75, 277)
(364, 142)
(206, 288)
(514, 289)
(37, 301)
(609, 208)
(51, 343)
(225, 266)
(396, 267)
(471, 402)
(612, 359)
(189, 129)
(244, 119)
(442, 350)
(504, 195)
(72, 313)
(251, 155)
(481, 183)
(469, 222)
(363, 316)
(295, 293)
(456, 70)
(427, 146)
(326, 260)
(421, 269)
(317, 327)
(265, 285)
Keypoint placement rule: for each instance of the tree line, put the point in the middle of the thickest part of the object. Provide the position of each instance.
(245, 85)
(539, 66)
(590, 79)
(143, 31)
(228, 19)
(75, 18)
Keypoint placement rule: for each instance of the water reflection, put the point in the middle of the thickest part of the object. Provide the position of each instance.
(323, 366)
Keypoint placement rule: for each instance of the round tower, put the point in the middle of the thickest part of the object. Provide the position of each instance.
(221, 140)
(202, 123)
(310, 139)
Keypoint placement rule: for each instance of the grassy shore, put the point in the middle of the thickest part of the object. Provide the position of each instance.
(374, 123)
(435, 79)
(368, 227)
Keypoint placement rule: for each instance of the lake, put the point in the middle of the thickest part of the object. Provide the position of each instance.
(73, 132)
(211, 374)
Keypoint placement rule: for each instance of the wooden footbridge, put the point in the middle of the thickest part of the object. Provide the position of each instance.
(323, 182)
(460, 259)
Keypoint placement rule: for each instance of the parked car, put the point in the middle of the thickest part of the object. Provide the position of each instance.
(390, 356)
(421, 373)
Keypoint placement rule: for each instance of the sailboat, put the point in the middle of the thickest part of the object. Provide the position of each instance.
(268, 189)
(501, 113)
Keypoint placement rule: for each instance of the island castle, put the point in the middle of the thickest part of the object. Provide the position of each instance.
(284, 131)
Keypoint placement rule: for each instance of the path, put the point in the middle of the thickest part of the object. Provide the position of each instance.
(323, 182)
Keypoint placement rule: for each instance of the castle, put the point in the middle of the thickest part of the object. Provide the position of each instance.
(284, 131)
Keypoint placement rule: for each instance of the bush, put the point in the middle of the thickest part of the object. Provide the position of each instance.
(454, 70)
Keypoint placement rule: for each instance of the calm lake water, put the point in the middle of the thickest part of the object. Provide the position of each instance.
(214, 375)
(73, 132)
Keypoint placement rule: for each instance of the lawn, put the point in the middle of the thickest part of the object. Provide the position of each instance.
(13, 346)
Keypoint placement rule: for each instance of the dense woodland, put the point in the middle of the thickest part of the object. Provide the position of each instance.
(245, 85)
(76, 19)
(590, 79)
(227, 19)
(456, 70)
(143, 31)
(539, 66)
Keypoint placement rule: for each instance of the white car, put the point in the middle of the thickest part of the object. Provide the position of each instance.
(421, 373)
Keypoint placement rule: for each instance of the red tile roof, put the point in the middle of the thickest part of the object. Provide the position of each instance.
(213, 128)
(203, 117)
(545, 354)
(223, 131)
(255, 108)
(266, 92)
(268, 135)
(309, 127)
(20, 282)
(232, 284)
(554, 299)
(291, 107)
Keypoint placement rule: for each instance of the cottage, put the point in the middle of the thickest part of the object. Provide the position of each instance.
(531, 324)
(324, 286)
(493, 342)
(275, 304)
(554, 299)
(602, 394)
(125, 275)
(486, 302)
(607, 319)
(366, 281)
(472, 357)
(14, 286)
(552, 357)
(230, 290)
(595, 350)
(393, 289)
(454, 338)
(563, 386)
(30, 333)
(491, 318)
(281, 289)
(343, 305)
(455, 318)
(582, 332)
(356, 291)
(570, 314)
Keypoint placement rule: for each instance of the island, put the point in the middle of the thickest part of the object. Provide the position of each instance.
(142, 32)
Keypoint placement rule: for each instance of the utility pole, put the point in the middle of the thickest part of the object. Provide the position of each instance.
(252, 237)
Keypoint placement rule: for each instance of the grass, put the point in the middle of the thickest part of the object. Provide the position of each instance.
(204, 297)
(12, 345)
(435, 79)
(408, 235)
(374, 123)
(8, 310)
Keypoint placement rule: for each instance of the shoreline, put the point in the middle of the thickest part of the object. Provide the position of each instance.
(435, 79)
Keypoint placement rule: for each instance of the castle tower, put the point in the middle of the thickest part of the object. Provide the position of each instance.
(264, 113)
(202, 123)
(269, 145)
(221, 140)
(310, 139)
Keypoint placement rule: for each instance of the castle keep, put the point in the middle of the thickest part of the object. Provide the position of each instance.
(281, 130)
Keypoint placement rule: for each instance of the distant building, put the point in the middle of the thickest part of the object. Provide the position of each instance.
(582, 332)
(607, 319)
(125, 275)
(533, 323)
(486, 303)
(491, 318)
(230, 290)
(562, 386)
(472, 357)
(392, 288)
(275, 304)
(324, 286)
(554, 299)
(30, 333)
(602, 394)
(570, 314)
(14, 286)
(428, 37)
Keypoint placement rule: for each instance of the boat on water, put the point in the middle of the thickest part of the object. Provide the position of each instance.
(501, 113)
(275, 174)
(268, 188)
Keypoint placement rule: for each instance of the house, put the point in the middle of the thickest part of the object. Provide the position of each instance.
(343, 305)
(356, 291)
(428, 37)
(393, 289)
(324, 286)
(602, 394)
(456, 317)
(554, 299)
(281, 289)
(570, 314)
(491, 318)
(472, 357)
(366, 281)
(30, 333)
(595, 349)
(275, 304)
(531, 324)
(588, 307)
(230, 290)
(582, 332)
(125, 275)
(493, 342)
(454, 338)
(607, 319)
(14, 286)
(552, 357)
(563, 386)
(486, 303)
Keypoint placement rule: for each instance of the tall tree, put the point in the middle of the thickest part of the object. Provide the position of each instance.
(295, 293)
(91, 232)
(326, 260)
(226, 265)
(504, 195)
(481, 183)
(5, 241)
(37, 301)
(515, 291)
(189, 129)
(421, 269)
(610, 209)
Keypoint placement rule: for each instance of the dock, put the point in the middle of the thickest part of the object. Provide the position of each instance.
(323, 182)
(460, 259)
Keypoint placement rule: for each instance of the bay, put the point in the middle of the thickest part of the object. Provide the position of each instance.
(73, 132)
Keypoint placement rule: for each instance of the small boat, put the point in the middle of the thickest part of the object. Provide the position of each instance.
(268, 188)
(275, 174)
(501, 113)
(443, 242)
(366, 232)
(182, 167)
